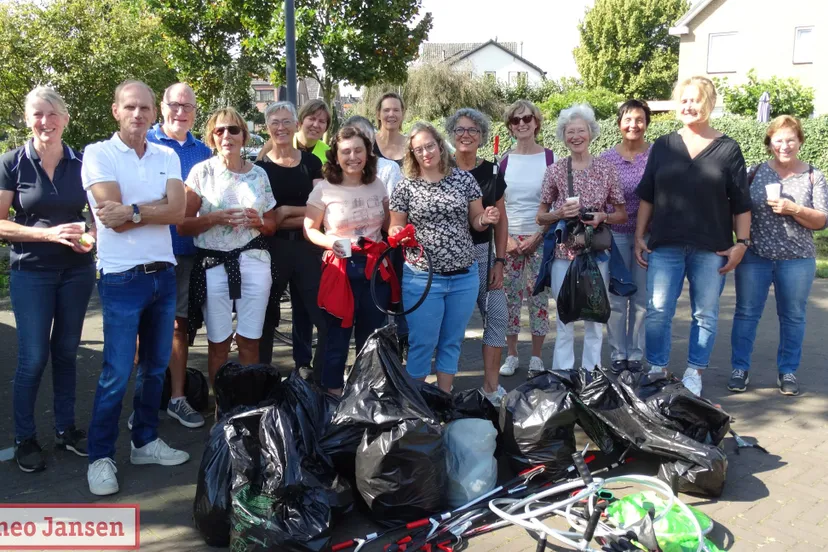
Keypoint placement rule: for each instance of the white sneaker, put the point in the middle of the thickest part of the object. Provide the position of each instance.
(101, 477)
(157, 452)
(130, 421)
(510, 366)
(495, 397)
(536, 365)
(692, 381)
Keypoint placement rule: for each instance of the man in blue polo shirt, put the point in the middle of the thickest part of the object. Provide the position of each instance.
(178, 110)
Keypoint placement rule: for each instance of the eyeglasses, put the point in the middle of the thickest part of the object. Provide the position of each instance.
(428, 148)
(459, 131)
(175, 106)
(232, 129)
(283, 123)
(514, 121)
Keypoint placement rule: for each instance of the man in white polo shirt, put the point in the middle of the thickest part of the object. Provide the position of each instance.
(135, 191)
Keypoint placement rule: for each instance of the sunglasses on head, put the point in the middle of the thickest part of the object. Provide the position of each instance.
(232, 129)
(516, 120)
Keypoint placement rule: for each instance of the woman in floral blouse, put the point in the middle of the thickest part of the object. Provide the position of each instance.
(789, 201)
(442, 203)
(595, 185)
(625, 330)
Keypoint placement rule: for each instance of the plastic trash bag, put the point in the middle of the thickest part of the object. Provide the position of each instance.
(583, 295)
(474, 404)
(196, 390)
(238, 385)
(471, 467)
(401, 471)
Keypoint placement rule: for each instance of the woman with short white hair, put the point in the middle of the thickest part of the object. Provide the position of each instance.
(594, 186)
(52, 271)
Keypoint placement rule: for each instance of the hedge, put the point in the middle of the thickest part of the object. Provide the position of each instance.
(745, 130)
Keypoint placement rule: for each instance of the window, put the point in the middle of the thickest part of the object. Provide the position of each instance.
(804, 45)
(518, 77)
(491, 75)
(264, 95)
(722, 52)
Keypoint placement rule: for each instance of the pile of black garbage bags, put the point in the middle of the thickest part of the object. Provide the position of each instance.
(284, 461)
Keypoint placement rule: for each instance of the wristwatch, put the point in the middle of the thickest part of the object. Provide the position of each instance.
(136, 214)
(746, 242)
(500, 260)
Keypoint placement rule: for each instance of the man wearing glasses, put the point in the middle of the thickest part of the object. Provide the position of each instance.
(135, 191)
(178, 110)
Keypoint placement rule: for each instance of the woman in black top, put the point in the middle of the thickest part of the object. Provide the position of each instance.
(292, 175)
(467, 129)
(390, 142)
(693, 192)
(52, 271)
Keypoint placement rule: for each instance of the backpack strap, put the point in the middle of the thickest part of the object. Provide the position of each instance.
(550, 156)
(503, 163)
(751, 173)
(811, 174)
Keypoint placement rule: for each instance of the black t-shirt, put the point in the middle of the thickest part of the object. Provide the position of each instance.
(378, 153)
(292, 185)
(694, 200)
(484, 174)
(43, 203)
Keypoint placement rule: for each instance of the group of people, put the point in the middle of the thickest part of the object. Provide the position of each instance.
(190, 233)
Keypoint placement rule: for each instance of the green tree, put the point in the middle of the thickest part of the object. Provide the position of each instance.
(83, 49)
(787, 96)
(626, 48)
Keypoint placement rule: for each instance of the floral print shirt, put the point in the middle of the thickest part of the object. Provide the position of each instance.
(220, 189)
(629, 175)
(780, 237)
(597, 186)
(439, 212)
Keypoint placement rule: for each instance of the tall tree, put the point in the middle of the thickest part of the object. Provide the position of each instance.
(625, 46)
(83, 49)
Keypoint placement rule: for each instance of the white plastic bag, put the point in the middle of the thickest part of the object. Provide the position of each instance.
(472, 469)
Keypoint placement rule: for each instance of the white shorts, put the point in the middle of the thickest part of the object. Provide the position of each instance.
(250, 308)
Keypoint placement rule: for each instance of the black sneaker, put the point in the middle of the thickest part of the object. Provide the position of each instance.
(635, 366)
(738, 382)
(618, 366)
(29, 456)
(787, 384)
(73, 440)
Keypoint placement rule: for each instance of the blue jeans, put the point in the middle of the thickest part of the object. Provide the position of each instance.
(625, 330)
(49, 308)
(135, 305)
(668, 266)
(792, 281)
(367, 318)
(440, 322)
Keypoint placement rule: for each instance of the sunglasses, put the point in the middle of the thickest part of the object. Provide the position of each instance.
(526, 119)
(232, 129)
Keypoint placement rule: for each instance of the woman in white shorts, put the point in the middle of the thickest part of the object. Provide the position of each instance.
(229, 209)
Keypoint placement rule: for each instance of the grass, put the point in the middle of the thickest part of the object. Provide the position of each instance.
(821, 240)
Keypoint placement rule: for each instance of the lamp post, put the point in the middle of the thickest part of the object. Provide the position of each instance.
(290, 50)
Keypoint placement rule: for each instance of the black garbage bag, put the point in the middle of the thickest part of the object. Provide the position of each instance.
(583, 295)
(196, 390)
(472, 403)
(278, 501)
(238, 385)
(698, 477)
(537, 421)
(438, 401)
(401, 471)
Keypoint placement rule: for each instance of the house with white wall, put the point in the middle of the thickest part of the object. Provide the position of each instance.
(502, 61)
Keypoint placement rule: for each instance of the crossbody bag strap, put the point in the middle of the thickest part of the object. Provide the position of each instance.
(569, 184)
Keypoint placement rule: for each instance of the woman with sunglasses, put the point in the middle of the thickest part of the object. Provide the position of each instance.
(229, 208)
(523, 169)
(443, 204)
(467, 129)
(390, 142)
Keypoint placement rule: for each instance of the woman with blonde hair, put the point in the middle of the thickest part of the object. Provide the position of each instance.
(789, 201)
(694, 195)
(443, 203)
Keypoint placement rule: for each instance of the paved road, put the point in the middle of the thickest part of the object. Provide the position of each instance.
(771, 502)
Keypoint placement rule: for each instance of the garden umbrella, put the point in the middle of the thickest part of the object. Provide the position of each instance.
(764, 110)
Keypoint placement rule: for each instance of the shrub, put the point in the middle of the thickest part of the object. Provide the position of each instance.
(603, 101)
(787, 96)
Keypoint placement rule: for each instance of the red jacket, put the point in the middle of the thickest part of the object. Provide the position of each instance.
(335, 294)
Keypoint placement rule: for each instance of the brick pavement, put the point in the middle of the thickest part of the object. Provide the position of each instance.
(771, 502)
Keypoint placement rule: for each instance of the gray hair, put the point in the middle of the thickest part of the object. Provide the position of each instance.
(362, 123)
(276, 106)
(173, 86)
(479, 119)
(47, 95)
(578, 111)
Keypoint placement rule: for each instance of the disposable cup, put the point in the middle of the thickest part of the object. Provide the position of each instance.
(80, 225)
(345, 244)
(774, 191)
(573, 199)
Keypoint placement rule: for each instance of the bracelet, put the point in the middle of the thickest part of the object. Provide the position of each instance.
(500, 260)
(480, 222)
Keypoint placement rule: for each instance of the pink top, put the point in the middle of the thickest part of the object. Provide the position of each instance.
(629, 175)
(596, 186)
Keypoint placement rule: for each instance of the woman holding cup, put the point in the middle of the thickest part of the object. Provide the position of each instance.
(351, 204)
(789, 200)
(52, 271)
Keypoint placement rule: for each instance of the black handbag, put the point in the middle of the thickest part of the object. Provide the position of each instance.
(592, 239)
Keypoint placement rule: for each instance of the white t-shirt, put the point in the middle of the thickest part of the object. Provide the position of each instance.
(351, 211)
(389, 172)
(141, 180)
(220, 189)
(524, 179)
